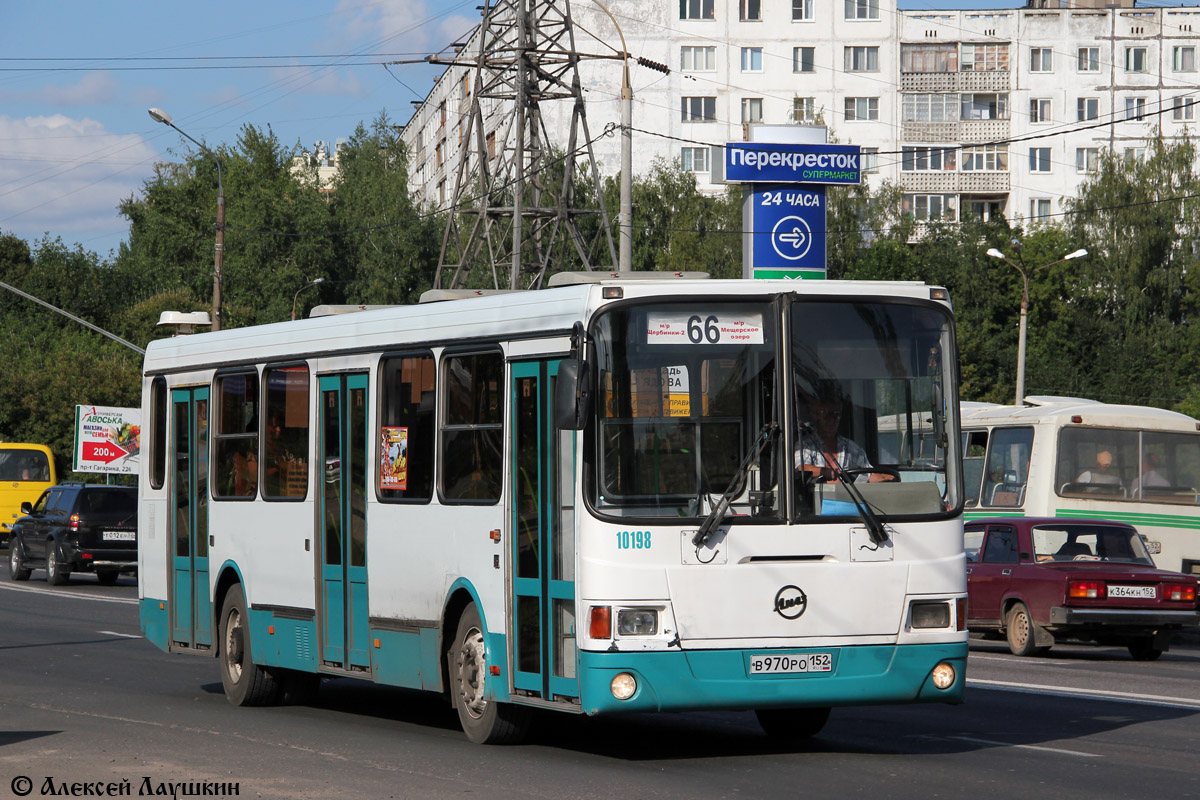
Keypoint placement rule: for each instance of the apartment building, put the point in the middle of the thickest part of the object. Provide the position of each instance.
(969, 111)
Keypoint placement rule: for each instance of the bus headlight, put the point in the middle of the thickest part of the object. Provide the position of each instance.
(623, 686)
(637, 622)
(930, 615)
(944, 675)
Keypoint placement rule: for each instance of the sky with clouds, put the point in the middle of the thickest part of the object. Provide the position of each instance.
(77, 76)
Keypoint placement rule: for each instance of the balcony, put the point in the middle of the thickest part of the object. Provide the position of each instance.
(993, 81)
(968, 131)
(955, 182)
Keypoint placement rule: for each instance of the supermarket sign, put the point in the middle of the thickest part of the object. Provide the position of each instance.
(107, 439)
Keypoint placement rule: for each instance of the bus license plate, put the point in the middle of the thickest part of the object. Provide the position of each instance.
(764, 664)
(1144, 592)
(119, 536)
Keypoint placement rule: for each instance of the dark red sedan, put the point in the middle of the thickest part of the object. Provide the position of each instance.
(1039, 580)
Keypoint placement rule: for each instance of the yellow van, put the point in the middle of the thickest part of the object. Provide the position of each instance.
(26, 470)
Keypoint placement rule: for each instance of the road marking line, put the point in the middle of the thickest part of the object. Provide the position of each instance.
(1093, 694)
(76, 595)
(122, 635)
(1025, 746)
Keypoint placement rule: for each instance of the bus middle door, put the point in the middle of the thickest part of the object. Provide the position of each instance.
(342, 560)
(191, 608)
(543, 544)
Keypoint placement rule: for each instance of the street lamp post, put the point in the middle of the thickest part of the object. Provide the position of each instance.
(994, 253)
(158, 115)
(313, 282)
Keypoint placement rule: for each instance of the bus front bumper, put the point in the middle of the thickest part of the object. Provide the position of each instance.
(691, 680)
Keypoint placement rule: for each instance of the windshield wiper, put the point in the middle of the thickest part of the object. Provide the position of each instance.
(875, 528)
(717, 515)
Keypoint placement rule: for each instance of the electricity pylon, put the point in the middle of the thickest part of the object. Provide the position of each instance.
(513, 204)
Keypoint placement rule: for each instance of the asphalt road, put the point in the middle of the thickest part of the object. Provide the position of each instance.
(84, 700)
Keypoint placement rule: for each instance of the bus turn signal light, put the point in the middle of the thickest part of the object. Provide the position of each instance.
(600, 622)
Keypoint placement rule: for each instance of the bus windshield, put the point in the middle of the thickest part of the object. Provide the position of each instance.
(686, 393)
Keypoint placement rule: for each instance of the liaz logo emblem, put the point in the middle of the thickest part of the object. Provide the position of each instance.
(791, 602)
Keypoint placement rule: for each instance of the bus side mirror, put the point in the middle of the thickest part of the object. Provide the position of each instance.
(572, 395)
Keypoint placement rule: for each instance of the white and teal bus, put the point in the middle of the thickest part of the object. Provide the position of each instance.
(582, 498)
(1041, 458)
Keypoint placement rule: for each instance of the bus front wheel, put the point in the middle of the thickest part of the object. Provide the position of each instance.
(484, 721)
(246, 683)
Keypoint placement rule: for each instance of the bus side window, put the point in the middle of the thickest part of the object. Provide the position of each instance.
(158, 432)
(236, 442)
(1007, 467)
(407, 429)
(472, 444)
(974, 450)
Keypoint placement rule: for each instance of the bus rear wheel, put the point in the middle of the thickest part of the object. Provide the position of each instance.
(246, 683)
(792, 724)
(484, 721)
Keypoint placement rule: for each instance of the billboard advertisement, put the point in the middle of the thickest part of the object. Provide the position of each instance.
(107, 439)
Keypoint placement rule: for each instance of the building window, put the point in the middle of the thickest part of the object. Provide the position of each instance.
(930, 107)
(441, 113)
(407, 427)
(699, 109)
(1135, 59)
(1039, 209)
(751, 109)
(1039, 110)
(862, 109)
(984, 106)
(804, 59)
(1086, 159)
(490, 142)
(928, 159)
(1183, 59)
(804, 109)
(1132, 154)
(928, 58)
(751, 59)
(802, 10)
(472, 444)
(1041, 59)
(930, 207)
(697, 59)
(1039, 159)
(1135, 107)
(984, 58)
(862, 9)
(750, 10)
(986, 209)
(695, 159)
(440, 152)
(985, 158)
(862, 59)
(235, 445)
(1184, 109)
(1089, 59)
(441, 190)
(1087, 109)
(869, 159)
(285, 463)
(696, 9)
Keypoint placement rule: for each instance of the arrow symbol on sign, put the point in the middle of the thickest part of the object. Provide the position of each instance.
(104, 452)
(795, 238)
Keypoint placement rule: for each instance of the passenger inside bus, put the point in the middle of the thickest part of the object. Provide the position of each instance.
(1102, 472)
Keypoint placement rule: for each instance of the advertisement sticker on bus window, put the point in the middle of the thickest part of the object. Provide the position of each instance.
(702, 327)
(393, 468)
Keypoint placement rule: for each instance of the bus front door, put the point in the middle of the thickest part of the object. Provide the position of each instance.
(342, 576)
(191, 608)
(543, 544)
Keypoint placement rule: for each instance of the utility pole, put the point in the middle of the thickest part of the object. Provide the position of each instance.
(512, 203)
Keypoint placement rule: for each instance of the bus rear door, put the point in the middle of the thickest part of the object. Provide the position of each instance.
(191, 609)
